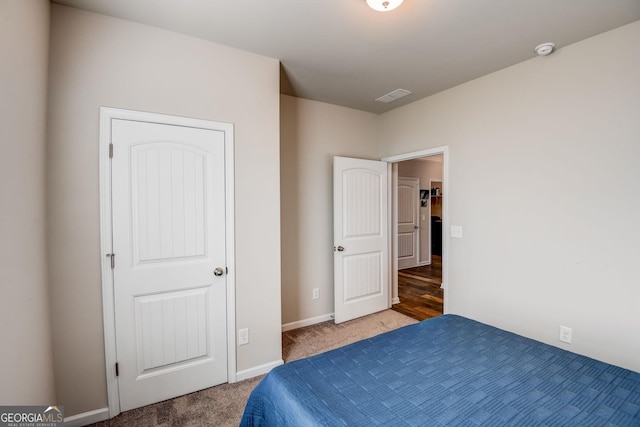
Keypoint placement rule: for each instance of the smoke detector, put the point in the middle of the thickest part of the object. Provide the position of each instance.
(545, 49)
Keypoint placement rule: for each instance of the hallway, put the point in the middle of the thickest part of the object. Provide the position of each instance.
(419, 291)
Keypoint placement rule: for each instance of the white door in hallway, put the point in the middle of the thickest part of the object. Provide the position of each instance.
(408, 211)
(168, 202)
(361, 252)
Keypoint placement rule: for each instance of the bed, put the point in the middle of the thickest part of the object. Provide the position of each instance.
(446, 371)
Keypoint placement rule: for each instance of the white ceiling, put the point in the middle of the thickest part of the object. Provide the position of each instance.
(344, 53)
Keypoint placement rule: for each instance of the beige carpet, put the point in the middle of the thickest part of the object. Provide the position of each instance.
(326, 336)
(223, 405)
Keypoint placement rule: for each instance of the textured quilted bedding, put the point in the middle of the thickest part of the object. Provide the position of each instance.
(446, 371)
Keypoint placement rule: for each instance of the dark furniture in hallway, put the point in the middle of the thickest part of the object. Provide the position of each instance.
(436, 235)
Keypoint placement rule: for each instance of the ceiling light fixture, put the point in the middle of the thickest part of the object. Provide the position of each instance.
(384, 5)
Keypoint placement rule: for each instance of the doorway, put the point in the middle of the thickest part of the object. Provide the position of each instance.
(420, 291)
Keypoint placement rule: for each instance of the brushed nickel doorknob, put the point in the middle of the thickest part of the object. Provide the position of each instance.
(218, 272)
(340, 249)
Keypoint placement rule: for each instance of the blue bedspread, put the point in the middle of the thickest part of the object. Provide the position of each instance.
(446, 371)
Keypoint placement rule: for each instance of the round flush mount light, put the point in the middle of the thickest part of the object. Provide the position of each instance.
(545, 49)
(384, 5)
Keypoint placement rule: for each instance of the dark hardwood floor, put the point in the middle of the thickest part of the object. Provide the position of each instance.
(419, 290)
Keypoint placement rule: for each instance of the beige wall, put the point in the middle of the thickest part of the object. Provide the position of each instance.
(425, 170)
(26, 361)
(311, 134)
(533, 149)
(560, 131)
(101, 61)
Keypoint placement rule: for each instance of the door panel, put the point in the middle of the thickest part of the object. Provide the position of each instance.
(360, 238)
(168, 216)
(363, 275)
(168, 340)
(168, 235)
(408, 211)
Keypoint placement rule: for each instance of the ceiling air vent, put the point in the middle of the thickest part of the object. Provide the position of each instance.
(392, 96)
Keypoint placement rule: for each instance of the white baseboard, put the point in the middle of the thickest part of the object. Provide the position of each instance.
(306, 322)
(258, 370)
(98, 415)
(425, 263)
(87, 418)
(395, 300)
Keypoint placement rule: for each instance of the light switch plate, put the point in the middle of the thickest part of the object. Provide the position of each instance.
(456, 231)
(243, 336)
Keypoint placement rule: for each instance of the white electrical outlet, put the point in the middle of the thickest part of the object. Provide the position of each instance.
(565, 334)
(243, 336)
(316, 293)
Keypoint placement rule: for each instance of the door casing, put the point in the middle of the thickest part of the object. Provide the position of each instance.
(108, 304)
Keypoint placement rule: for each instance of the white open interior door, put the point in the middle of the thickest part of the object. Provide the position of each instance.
(408, 211)
(168, 192)
(361, 253)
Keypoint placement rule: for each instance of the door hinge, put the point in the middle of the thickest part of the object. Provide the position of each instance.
(117, 370)
(111, 150)
(112, 258)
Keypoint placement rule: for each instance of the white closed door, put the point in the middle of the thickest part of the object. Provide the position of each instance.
(168, 201)
(361, 253)
(408, 211)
